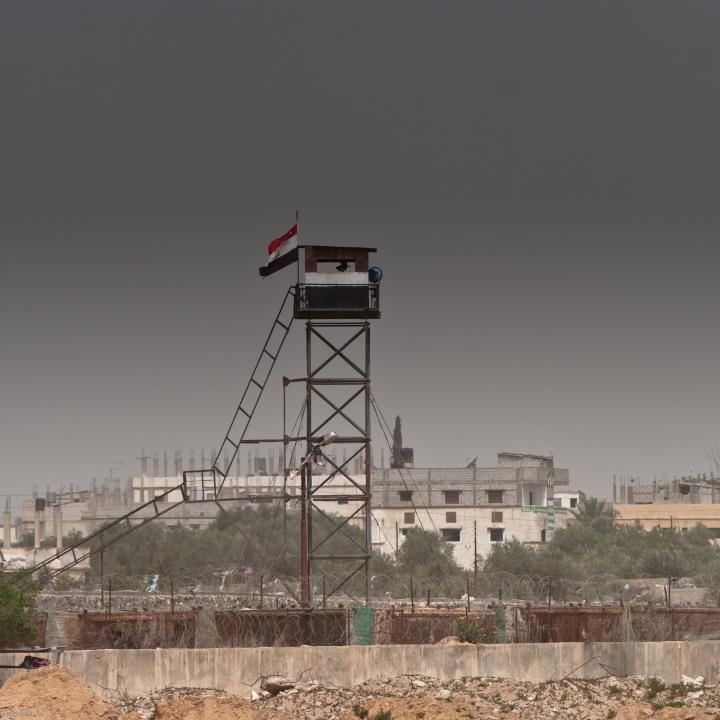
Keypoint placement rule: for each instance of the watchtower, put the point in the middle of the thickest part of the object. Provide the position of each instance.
(337, 295)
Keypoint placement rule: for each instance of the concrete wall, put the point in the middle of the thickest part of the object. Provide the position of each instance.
(139, 671)
(669, 514)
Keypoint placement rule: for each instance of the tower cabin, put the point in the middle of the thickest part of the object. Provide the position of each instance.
(337, 282)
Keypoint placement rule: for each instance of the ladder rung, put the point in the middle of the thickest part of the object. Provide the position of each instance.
(253, 380)
(240, 408)
(268, 353)
(218, 470)
(234, 444)
(283, 325)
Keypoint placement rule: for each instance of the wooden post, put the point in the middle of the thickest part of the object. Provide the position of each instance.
(262, 578)
(427, 604)
(669, 593)
(412, 596)
(549, 592)
(102, 578)
(109, 608)
(324, 593)
(475, 562)
(467, 590)
(172, 598)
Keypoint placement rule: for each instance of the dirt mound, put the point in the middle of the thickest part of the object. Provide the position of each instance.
(414, 708)
(54, 692)
(212, 708)
(640, 711)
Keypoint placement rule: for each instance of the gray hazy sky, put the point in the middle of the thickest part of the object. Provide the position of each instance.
(541, 180)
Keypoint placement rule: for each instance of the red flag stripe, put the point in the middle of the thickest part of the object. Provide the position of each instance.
(279, 242)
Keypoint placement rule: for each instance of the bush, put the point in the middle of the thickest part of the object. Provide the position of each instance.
(17, 608)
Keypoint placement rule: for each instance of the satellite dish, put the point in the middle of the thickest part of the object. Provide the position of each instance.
(375, 274)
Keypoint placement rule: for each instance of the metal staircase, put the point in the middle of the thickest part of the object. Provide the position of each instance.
(197, 485)
(207, 484)
(109, 534)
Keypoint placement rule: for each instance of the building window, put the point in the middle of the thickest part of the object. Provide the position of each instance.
(409, 518)
(451, 517)
(530, 499)
(406, 495)
(451, 534)
(496, 516)
(496, 496)
(496, 534)
(543, 535)
(573, 502)
(452, 497)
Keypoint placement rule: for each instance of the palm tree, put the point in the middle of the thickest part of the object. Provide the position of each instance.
(595, 513)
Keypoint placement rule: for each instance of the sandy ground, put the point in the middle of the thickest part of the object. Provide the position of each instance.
(56, 694)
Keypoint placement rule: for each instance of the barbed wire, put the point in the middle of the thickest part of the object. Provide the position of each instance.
(256, 588)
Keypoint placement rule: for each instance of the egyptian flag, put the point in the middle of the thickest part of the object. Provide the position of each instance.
(284, 244)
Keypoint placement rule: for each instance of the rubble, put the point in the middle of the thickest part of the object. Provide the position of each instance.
(414, 697)
(59, 694)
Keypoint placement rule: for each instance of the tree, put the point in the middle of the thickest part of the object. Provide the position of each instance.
(397, 457)
(594, 513)
(17, 610)
(428, 559)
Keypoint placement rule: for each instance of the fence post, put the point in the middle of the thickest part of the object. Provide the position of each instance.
(172, 598)
(109, 607)
(262, 578)
(412, 596)
(428, 598)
